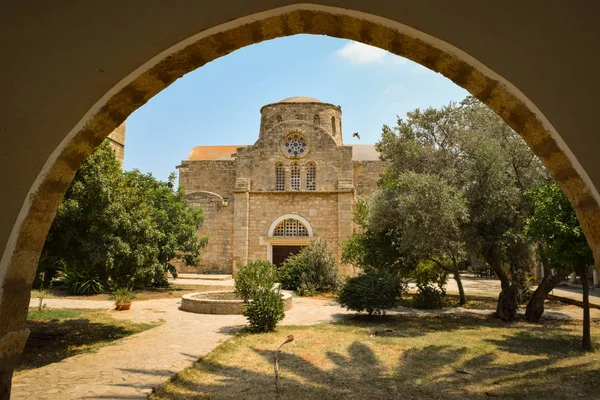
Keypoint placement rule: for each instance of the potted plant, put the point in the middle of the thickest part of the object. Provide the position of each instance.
(123, 299)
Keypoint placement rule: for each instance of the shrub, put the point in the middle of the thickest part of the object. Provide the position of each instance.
(311, 271)
(254, 277)
(122, 296)
(82, 283)
(265, 310)
(429, 297)
(372, 291)
(254, 283)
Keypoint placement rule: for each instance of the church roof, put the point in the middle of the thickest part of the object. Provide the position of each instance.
(364, 152)
(201, 153)
(300, 99)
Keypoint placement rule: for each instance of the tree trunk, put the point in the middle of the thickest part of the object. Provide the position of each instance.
(5, 384)
(587, 338)
(535, 306)
(507, 303)
(507, 306)
(461, 290)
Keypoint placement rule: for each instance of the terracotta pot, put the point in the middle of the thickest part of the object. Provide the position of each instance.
(122, 307)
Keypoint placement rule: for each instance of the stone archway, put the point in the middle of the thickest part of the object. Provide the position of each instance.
(277, 236)
(17, 266)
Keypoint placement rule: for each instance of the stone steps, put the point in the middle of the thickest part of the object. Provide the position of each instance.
(206, 277)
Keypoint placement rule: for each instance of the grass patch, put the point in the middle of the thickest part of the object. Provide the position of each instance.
(400, 357)
(172, 291)
(60, 333)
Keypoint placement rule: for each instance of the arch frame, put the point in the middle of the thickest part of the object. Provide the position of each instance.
(290, 216)
(28, 233)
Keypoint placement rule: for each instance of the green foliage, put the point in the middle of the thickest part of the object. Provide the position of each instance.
(372, 291)
(554, 225)
(265, 310)
(427, 272)
(255, 277)
(429, 297)
(456, 181)
(82, 282)
(120, 229)
(254, 283)
(122, 296)
(313, 270)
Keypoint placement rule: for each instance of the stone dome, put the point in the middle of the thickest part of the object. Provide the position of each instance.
(300, 99)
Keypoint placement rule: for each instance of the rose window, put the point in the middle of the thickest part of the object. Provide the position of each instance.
(295, 145)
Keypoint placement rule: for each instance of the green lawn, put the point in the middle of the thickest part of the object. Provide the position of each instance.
(436, 357)
(60, 333)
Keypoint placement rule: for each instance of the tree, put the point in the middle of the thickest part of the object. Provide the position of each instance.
(562, 246)
(478, 154)
(116, 229)
(423, 214)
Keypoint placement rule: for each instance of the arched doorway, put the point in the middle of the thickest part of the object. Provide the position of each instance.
(287, 235)
(26, 221)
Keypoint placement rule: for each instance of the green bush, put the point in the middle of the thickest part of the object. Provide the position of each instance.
(372, 291)
(265, 310)
(255, 277)
(122, 296)
(429, 297)
(311, 271)
(82, 283)
(254, 283)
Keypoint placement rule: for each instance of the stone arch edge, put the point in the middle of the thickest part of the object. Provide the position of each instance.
(290, 216)
(17, 265)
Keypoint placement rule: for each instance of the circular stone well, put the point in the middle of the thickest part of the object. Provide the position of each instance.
(222, 302)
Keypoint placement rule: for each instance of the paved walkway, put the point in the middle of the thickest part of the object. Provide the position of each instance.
(130, 368)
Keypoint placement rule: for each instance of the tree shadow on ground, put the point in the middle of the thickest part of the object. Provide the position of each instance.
(54, 340)
(368, 368)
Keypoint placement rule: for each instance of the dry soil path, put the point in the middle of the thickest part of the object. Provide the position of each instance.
(130, 368)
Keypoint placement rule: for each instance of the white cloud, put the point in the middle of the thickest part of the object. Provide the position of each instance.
(359, 53)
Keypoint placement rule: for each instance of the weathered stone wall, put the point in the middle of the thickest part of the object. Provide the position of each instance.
(217, 176)
(333, 160)
(329, 117)
(319, 209)
(117, 142)
(366, 175)
(216, 257)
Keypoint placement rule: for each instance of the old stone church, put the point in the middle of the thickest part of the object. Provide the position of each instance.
(267, 200)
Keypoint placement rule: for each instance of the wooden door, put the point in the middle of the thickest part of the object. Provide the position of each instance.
(281, 253)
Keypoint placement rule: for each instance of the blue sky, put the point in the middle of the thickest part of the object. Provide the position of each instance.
(219, 103)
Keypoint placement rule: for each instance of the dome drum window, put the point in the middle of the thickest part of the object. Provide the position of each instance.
(290, 228)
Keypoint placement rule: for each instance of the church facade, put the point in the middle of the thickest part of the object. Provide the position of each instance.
(267, 200)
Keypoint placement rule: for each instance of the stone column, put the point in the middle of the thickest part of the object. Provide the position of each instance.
(344, 226)
(288, 178)
(241, 215)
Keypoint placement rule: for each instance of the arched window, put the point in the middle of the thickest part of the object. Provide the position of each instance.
(279, 118)
(279, 177)
(316, 121)
(311, 176)
(333, 125)
(290, 227)
(295, 176)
